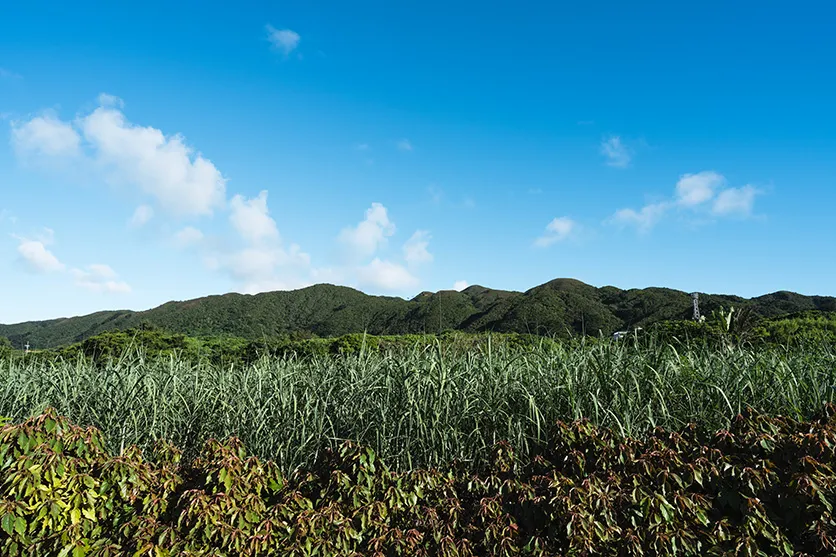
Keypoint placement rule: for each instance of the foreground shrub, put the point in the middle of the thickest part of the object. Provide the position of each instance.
(765, 486)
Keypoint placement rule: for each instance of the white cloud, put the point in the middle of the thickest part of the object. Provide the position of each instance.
(386, 275)
(737, 201)
(404, 145)
(187, 236)
(644, 219)
(435, 194)
(558, 229)
(365, 239)
(142, 215)
(45, 135)
(251, 219)
(695, 189)
(183, 182)
(460, 285)
(110, 100)
(99, 278)
(285, 40)
(362, 147)
(692, 193)
(616, 152)
(260, 267)
(415, 249)
(37, 257)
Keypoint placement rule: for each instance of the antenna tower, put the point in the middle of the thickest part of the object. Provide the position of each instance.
(695, 296)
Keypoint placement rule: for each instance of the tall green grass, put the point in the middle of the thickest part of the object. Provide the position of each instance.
(424, 407)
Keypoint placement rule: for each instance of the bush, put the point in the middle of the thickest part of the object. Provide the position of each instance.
(766, 486)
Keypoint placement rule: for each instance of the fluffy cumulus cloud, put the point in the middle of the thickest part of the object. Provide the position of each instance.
(460, 285)
(616, 153)
(557, 230)
(385, 275)
(99, 277)
(284, 40)
(45, 135)
(37, 257)
(364, 240)
(703, 192)
(261, 262)
(182, 181)
(367, 237)
(179, 182)
(415, 249)
(142, 215)
(252, 220)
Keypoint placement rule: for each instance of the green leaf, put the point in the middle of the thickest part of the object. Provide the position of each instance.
(20, 526)
(8, 523)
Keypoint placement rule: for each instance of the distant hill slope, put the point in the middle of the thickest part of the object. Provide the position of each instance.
(560, 307)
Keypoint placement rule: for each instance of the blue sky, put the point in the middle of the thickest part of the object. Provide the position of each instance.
(169, 150)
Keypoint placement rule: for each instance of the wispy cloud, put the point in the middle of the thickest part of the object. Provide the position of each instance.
(6, 215)
(99, 277)
(285, 40)
(643, 219)
(617, 154)
(735, 201)
(187, 237)
(694, 193)
(404, 145)
(141, 216)
(415, 249)
(557, 230)
(695, 189)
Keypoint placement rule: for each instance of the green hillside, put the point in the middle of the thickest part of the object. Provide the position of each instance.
(560, 307)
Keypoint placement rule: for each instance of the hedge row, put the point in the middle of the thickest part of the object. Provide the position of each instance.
(766, 486)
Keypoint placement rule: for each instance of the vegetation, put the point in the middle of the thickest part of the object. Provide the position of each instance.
(763, 487)
(561, 308)
(418, 406)
(669, 450)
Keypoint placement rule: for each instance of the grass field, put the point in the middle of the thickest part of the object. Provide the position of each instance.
(424, 408)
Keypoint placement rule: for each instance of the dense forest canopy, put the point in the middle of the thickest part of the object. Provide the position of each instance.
(561, 307)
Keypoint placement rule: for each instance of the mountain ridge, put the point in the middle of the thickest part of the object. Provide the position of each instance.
(561, 306)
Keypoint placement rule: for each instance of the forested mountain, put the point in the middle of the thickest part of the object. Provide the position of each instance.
(560, 307)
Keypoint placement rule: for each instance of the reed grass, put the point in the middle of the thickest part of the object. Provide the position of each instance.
(422, 408)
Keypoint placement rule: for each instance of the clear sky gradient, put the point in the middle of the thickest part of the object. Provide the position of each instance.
(154, 151)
